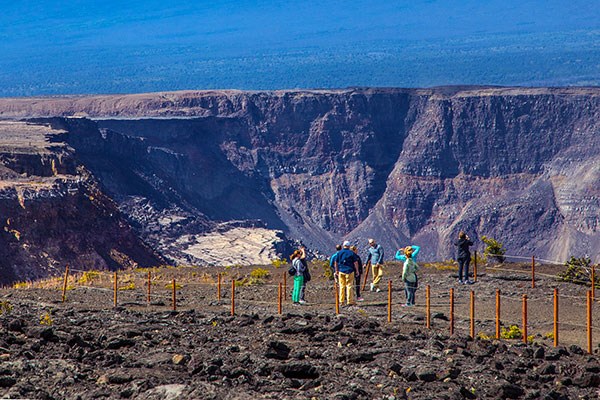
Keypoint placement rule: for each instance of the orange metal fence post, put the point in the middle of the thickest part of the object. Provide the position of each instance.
(148, 297)
(533, 271)
(451, 311)
(472, 313)
(555, 317)
(285, 291)
(233, 297)
(525, 318)
(337, 298)
(390, 300)
(367, 268)
(279, 290)
(219, 286)
(475, 267)
(115, 289)
(64, 292)
(497, 314)
(589, 321)
(428, 306)
(174, 299)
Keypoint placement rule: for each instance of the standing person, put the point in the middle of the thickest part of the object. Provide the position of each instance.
(400, 255)
(357, 276)
(298, 276)
(375, 256)
(409, 277)
(306, 275)
(463, 257)
(346, 266)
(333, 258)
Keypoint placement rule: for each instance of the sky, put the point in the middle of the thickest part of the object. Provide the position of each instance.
(65, 47)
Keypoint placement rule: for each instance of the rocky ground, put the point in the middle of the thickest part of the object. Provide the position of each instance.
(87, 349)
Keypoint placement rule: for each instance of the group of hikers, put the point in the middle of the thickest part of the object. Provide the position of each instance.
(347, 269)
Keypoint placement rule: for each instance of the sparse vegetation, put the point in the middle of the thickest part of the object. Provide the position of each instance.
(5, 307)
(88, 277)
(277, 263)
(46, 319)
(578, 270)
(493, 249)
(130, 286)
(513, 332)
(257, 277)
(170, 285)
(323, 265)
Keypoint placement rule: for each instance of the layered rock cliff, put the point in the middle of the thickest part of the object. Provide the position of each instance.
(403, 166)
(53, 211)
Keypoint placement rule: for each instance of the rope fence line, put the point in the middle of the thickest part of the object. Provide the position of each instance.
(457, 298)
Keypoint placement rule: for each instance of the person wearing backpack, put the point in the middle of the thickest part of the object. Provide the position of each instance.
(298, 270)
(409, 277)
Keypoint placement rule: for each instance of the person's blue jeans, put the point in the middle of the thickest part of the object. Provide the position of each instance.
(409, 290)
(463, 269)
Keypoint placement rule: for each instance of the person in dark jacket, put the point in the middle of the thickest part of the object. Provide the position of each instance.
(463, 258)
(359, 274)
(346, 266)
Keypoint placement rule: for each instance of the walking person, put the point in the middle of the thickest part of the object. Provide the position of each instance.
(359, 275)
(375, 256)
(400, 255)
(409, 277)
(346, 266)
(463, 258)
(298, 277)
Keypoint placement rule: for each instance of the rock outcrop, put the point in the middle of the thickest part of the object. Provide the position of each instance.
(53, 211)
(403, 166)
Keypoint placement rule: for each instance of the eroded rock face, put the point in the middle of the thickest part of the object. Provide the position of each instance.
(53, 211)
(521, 165)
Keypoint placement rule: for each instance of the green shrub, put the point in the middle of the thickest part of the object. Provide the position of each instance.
(5, 307)
(578, 270)
(323, 265)
(277, 263)
(259, 273)
(493, 249)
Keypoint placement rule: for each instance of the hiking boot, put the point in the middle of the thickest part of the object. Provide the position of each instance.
(302, 302)
(372, 286)
(360, 299)
(377, 290)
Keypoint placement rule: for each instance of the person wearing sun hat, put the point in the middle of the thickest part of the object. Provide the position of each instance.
(409, 277)
(400, 253)
(346, 265)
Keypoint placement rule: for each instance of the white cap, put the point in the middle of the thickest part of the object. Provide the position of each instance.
(347, 244)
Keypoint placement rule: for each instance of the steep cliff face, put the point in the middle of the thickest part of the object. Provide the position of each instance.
(53, 212)
(403, 166)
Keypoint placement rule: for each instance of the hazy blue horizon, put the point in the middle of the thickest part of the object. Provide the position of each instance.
(84, 47)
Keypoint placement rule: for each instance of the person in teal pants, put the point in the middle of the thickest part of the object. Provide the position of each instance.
(298, 277)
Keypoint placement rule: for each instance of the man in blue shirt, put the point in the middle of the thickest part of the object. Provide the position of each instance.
(375, 256)
(346, 265)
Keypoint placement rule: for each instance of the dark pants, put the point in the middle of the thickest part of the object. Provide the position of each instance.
(357, 282)
(409, 289)
(463, 269)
